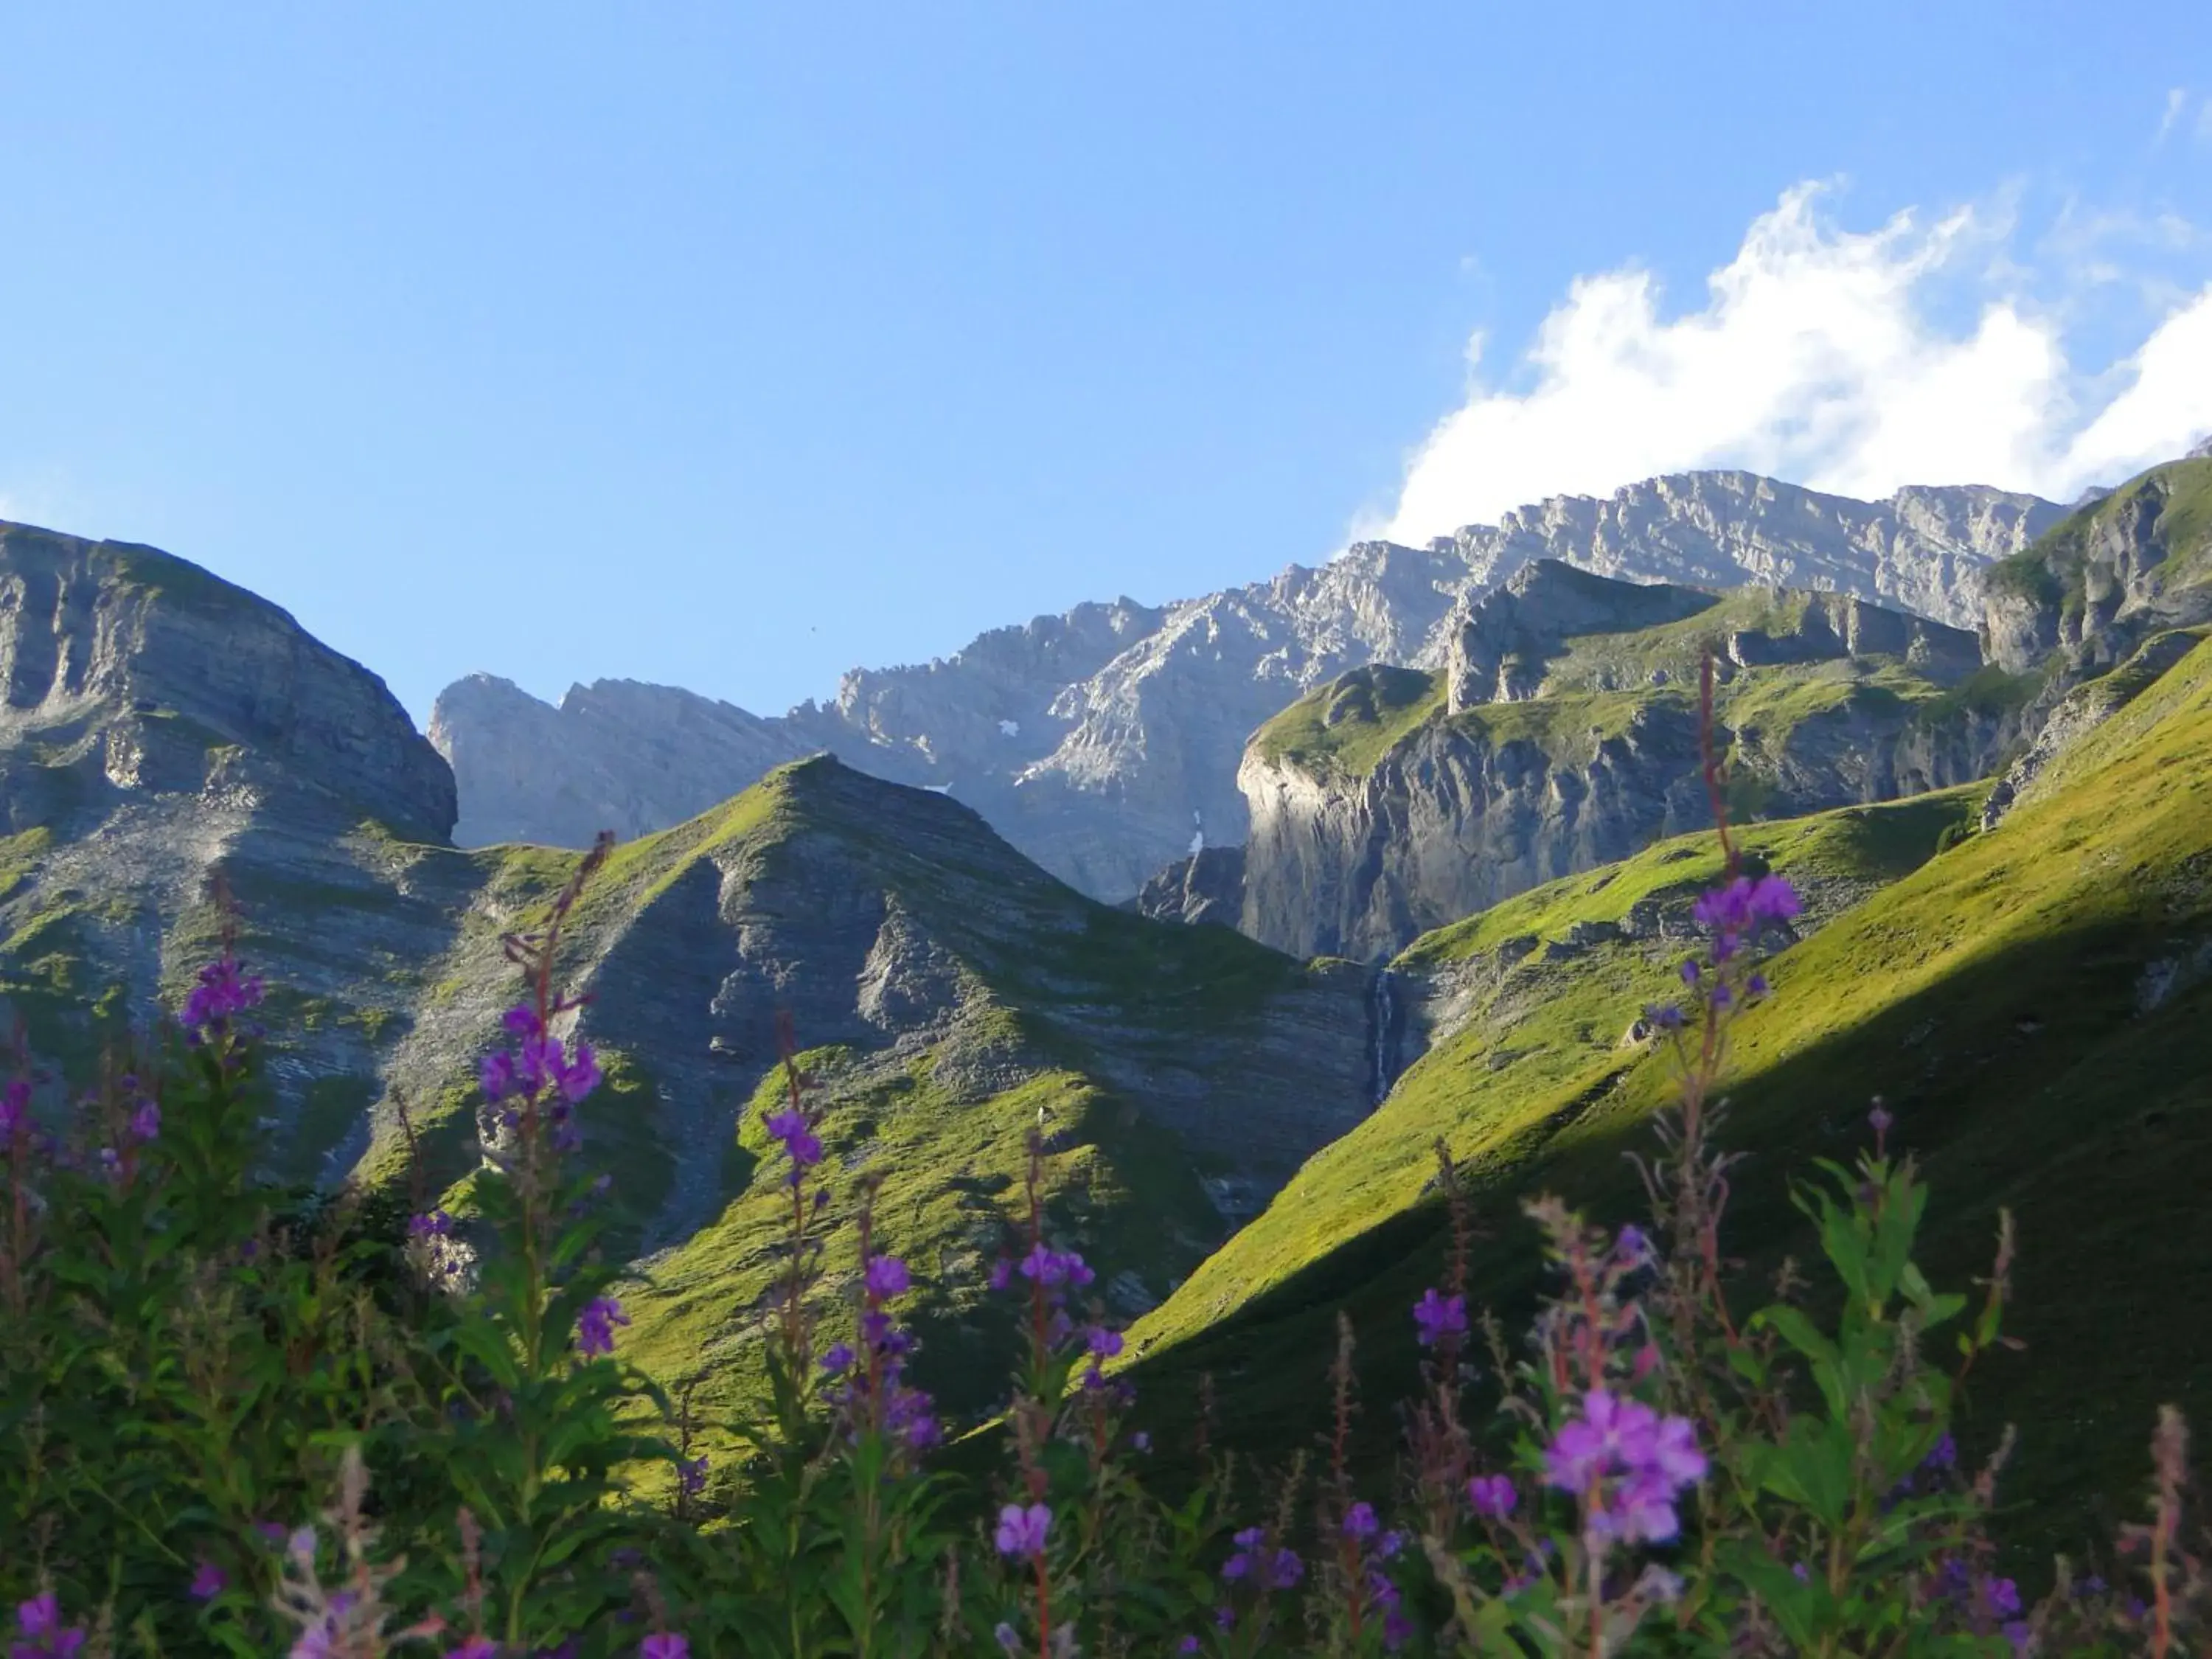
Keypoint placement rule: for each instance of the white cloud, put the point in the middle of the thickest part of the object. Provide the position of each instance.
(2176, 101)
(1824, 357)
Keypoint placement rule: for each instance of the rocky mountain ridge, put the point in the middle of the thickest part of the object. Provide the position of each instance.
(181, 762)
(1561, 733)
(1105, 742)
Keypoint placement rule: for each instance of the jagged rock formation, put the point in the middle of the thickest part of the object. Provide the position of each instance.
(125, 673)
(161, 730)
(2100, 607)
(633, 758)
(1498, 652)
(2133, 563)
(1097, 742)
(1208, 886)
(1390, 802)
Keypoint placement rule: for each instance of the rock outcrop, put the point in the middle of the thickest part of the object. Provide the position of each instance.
(1208, 886)
(616, 755)
(1380, 809)
(127, 673)
(2133, 563)
(1098, 741)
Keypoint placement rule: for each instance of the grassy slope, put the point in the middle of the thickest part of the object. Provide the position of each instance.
(2052, 568)
(1043, 966)
(1597, 687)
(1992, 996)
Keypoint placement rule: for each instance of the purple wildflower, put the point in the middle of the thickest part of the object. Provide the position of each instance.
(1248, 1546)
(667, 1644)
(595, 1326)
(476, 1647)
(800, 1142)
(887, 1277)
(1439, 1316)
(1492, 1495)
(41, 1621)
(1050, 1267)
(1104, 1343)
(14, 1107)
(208, 1582)
(1359, 1523)
(1627, 1463)
(220, 993)
(691, 1475)
(1022, 1530)
(436, 1224)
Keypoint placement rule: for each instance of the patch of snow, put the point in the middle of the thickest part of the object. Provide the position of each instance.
(1197, 834)
(938, 788)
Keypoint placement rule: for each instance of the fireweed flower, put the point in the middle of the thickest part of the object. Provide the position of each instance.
(1627, 1463)
(887, 1277)
(1359, 1523)
(801, 1143)
(1492, 1495)
(1055, 1267)
(435, 1224)
(40, 1620)
(665, 1645)
(1022, 1530)
(219, 994)
(477, 1647)
(208, 1582)
(1438, 1317)
(838, 1360)
(1275, 1569)
(595, 1326)
(691, 1475)
(14, 1107)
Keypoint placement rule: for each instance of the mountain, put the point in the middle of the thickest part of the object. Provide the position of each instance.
(1105, 743)
(161, 731)
(181, 762)
(2033, 1005)
(1561, 732)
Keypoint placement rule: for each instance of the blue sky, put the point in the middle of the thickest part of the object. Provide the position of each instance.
(732, 347)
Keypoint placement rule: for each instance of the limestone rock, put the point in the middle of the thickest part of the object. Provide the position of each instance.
(1090, 739)
(1554, 771)
(125, 672)
(1208, 886)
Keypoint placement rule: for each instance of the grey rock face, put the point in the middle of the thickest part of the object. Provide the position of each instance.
(616, 755)
(2112, 575)
(1477, 802)
(1093, 741)
(1499, 651)
(125, 672)
(1208, 886)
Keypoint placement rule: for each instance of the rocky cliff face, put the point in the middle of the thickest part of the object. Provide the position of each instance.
(1105, 742)
(2100, 607)
(1208, 886)
(1381, 809)
(633, 758)
(126, 674)
(2134, 562)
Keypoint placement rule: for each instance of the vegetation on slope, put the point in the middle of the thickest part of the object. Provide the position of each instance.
(2032, 1004)
(1603, 686)
(2052, 570)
